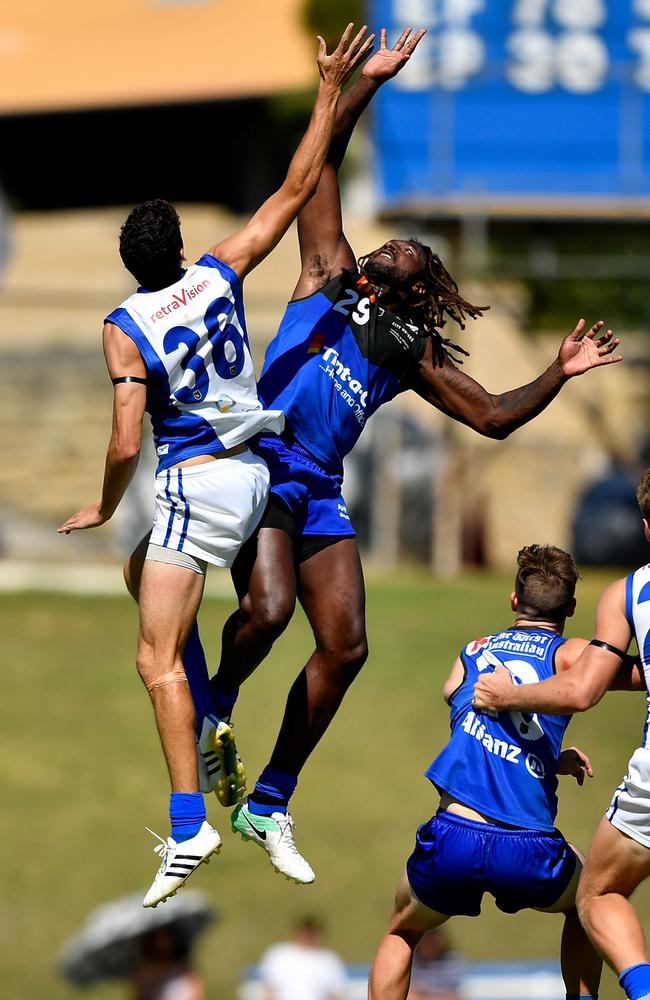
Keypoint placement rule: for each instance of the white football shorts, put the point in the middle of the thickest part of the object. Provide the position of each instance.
(208, 511)
(629, 810)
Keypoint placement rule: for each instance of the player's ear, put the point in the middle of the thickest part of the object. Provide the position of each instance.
(646, 528)
(183, 257)
(513, 602)
(570, 608)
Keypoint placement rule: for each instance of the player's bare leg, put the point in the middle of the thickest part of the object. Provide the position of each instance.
(580, 963)
(390, 973)
(264, 576)
(331, 591)
(616, 865)
(169, 600)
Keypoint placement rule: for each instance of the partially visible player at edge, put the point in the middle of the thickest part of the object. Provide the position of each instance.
(619, 858)
(351, 339)
(178, 349)
(494, 830)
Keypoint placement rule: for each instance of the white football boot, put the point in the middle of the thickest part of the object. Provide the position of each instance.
(220, 768)
(179, 860)
(274, 834)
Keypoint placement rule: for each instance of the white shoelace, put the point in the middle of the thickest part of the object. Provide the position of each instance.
(162, 849)
(286, 825)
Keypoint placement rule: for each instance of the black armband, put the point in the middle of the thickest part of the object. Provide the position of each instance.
(612, 649)
(129, 378)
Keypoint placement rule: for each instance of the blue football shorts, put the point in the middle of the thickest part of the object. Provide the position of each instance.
(305, 498)
(457, 860)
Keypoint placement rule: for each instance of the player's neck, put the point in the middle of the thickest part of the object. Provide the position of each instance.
(522, 622)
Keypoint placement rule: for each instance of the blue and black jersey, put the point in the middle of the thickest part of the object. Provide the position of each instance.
(504, 764)
(336, 358)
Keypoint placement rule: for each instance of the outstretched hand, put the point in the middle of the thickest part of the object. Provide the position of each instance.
(336, 68)
(386, 63)
(575, 762)
(87, 517)
(582, 350)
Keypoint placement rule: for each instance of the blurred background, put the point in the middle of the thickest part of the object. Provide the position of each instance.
(516, 143)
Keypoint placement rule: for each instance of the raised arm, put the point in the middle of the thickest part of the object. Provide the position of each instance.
(579, 687)
(496, 416)
(324, 250)
(123, 360)
(246, 248)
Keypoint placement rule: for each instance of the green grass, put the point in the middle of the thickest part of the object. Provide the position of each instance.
(83, 775)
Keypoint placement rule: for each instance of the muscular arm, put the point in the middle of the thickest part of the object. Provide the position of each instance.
(122, 358)
(246, 248)
(498, 415)
(579, 687)
(324, 250)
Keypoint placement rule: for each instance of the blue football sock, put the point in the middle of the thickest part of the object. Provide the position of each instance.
(224, 701)
(582, 996)
(196, 671)
(272, 792)
(635, 980)
(187, 813)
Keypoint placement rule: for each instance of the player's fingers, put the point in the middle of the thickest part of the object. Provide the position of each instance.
(382, 38)
(608, 346)
(401, 41)
(609, 359)
(363, 52)
(411, 45)
(343, 40)
(322, 48)
(577, 332)
(356, 41)
(596, 328)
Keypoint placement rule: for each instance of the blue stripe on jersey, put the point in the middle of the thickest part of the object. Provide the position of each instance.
(172, 515)
(172, 427)
(186, 519)
(629, 600)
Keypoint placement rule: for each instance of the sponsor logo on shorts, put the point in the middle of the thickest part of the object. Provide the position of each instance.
(343, 511)
(162, 449)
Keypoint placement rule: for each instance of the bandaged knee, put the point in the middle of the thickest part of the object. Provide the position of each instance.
(171, 677)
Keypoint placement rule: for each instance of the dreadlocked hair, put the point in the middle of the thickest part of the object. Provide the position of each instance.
(442, 301)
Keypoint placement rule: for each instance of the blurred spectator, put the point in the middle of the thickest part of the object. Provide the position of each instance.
(302, 969)
(163, 971)
(437, 969)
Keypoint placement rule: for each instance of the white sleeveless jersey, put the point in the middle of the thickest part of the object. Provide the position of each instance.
(201, 388)
(637, 611)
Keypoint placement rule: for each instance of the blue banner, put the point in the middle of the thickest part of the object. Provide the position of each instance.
(505, 98)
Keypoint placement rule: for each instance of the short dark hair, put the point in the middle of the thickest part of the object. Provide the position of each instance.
(151, 244)
(545, 582)
(643, 495)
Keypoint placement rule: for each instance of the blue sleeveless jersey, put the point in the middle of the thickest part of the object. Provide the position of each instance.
(504, 765)
(337, 356)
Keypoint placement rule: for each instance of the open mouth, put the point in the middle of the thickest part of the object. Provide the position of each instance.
(388, 254)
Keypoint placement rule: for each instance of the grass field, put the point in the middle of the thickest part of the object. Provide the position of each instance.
(83, 775)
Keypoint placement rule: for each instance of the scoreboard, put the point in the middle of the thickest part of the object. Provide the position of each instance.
(516, 100)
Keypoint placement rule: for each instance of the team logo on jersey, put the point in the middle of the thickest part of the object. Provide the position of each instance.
(162, 449)
(197, 394)
(535, 766)
(225, 403)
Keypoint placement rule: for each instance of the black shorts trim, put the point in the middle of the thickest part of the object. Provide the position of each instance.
(278, 515)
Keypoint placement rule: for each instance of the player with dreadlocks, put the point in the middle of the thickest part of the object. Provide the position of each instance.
(351, 339)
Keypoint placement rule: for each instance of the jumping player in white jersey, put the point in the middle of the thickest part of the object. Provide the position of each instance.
(178, 349)
(619, 859)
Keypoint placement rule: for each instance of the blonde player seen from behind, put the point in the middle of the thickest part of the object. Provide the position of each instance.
(178, 349)
(619, 859)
